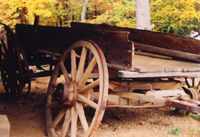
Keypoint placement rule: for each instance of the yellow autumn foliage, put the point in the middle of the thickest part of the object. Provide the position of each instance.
(173, 16)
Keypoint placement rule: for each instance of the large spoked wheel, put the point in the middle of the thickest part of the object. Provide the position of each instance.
(76, 104)
(12, 67)
(4, 59)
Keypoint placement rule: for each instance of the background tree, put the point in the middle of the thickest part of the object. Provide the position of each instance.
(143, 17)
(173, 16)
(84, 10)
(113, 12)
(178, 17)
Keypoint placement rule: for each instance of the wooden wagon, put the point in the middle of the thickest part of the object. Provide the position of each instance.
(94, 67)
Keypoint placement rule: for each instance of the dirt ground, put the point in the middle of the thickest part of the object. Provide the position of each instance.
(27, 119)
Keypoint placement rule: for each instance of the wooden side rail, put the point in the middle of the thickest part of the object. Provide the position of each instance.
(168, 52)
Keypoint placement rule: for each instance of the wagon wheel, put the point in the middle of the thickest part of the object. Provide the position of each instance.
(4, 64)
(23, 73)
(4, 60)
(85, 87)
(13, 81)
(194, 85)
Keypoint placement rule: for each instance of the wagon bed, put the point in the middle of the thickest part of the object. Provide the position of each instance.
(86, 63)
(146, 66)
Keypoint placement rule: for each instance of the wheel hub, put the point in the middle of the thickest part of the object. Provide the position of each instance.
(70, 93)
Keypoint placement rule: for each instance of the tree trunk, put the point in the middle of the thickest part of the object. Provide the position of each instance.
(84, 10)
(143, 17)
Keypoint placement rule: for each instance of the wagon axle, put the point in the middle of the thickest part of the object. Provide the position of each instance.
(178, 98)
(66, 93)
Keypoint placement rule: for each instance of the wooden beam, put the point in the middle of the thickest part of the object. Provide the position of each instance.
(135, 107)
(132, 75)
(168, 52)
(153, 55)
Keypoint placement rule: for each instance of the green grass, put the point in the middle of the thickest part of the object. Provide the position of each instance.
(195, 116)
(175, 131)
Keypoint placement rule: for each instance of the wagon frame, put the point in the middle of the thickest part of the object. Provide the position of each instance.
(91, 66)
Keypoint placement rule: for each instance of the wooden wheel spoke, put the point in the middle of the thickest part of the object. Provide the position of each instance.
(64, 71)
(187, 83)
(90, 86)
(88, 71)
(58, 118)
(198, 84)
(74, 118)
(66, 124)
(87, 101)
(73, 65)
(82, 117)
(81, 63)
(193, 82)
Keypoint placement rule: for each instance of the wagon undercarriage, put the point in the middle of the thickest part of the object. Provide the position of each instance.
(93, 69)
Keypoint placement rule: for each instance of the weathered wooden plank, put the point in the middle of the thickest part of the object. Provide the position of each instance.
(165, 40)
(133, 107)
(148, 64)
(168, 52)
(167, 93)
(153, 97)
(143, 85)
(157, 39)
(130, 74)
(152, 55)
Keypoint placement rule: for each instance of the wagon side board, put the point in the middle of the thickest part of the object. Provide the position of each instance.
(175, 46)
(115, 44)
(117, 47)
(164, 40)
(158, 39)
